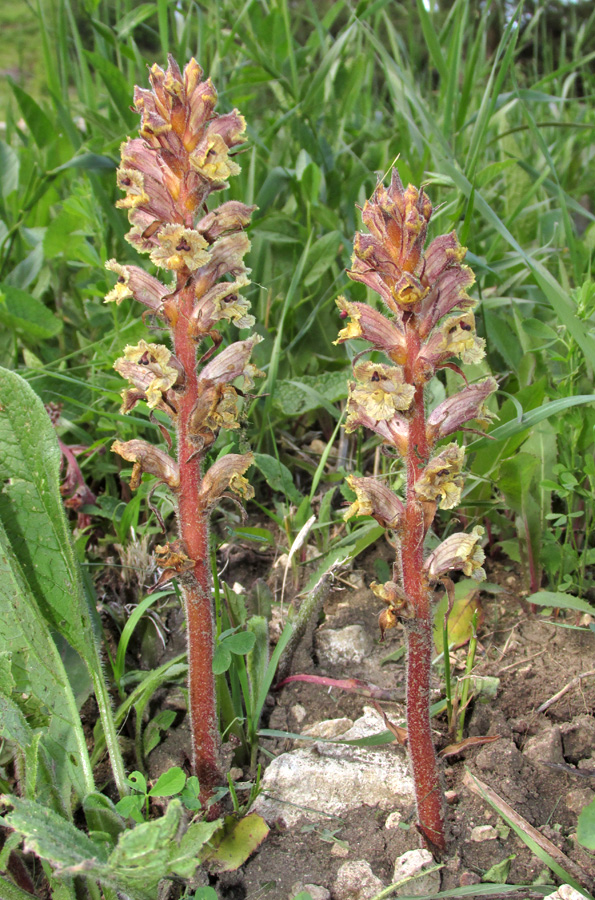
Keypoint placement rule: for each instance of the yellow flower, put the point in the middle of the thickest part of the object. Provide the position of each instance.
(133, 182)
(380, 390)
(461, 340)
(155, 359)
(120, 291)
(211, 159)
(441, 478)
(179, 248)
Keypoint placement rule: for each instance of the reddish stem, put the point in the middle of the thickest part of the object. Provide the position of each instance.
(426, 777)
(194, 531)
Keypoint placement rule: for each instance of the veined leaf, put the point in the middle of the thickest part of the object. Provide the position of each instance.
(32, 514)
(558, 600)
(22, 312)
(39, 676)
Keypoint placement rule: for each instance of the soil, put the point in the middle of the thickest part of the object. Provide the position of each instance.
(533, 656)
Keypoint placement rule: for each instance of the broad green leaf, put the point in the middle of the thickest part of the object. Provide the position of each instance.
(185, 857)
(461, 615)
(516, 476)
(277, 475)
(101, 815)
(208, 893)
(498, 873)
(32, 512)
(38, 123)
(241, 642)
(558, 600)
(585, 832)
(141, 857)
(50, 836)
(160, 723)
(221, 659)
(235, 843)
(13, 724)
(24, 273)
(65, 236)
(169, 783)
(295, 398)
(39, 675)
(26, 314)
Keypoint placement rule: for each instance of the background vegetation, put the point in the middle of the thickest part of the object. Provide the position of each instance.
(489, 105)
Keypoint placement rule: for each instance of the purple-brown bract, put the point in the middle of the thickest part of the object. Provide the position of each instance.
(419, 287)
(168, 173)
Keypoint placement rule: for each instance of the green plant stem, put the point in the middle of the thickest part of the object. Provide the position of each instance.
(109, 731)
(428, 791)
(447, 675)
(196, 587)
(468, 667)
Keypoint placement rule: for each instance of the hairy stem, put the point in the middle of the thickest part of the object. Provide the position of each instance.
(196, 589)
(426, 776)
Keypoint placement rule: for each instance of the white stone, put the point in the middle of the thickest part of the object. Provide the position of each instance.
(565, 892)
(319, 779)
(329, 728)
(351, 644)
(411, 864)
(356, 881)
(298, 712)
(394, 820)
(569, 893)
(482, 833)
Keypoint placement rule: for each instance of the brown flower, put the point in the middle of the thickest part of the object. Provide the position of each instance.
(150, 459)
(374, 499)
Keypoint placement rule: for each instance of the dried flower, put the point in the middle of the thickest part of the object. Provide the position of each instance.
(458, 551)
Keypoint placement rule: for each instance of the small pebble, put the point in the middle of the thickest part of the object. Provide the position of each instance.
(341, 852)
(393, 820)
(483, 833)
(468, 878)
(356, 881)
(298, 712)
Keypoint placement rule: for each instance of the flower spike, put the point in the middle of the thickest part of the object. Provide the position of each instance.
(167, 174)
(428, 325)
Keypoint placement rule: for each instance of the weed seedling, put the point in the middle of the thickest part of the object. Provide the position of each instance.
(419, 288)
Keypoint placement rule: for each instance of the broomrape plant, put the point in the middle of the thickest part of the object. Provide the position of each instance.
(183, 155)
(419, 288)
